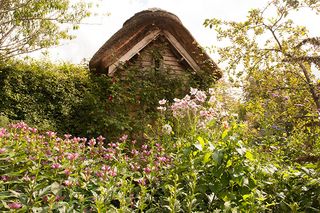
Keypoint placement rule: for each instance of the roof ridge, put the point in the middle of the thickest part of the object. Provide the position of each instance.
(151, 13)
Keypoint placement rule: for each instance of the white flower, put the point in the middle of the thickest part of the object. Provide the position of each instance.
(186, 98)
(161, 108)
(193, 91)
(163, 101)
(177, 100)
(167, 129)
(211, 91)
(201, 96)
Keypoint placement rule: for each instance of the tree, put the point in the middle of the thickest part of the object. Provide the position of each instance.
(273, 59)
(30, 25)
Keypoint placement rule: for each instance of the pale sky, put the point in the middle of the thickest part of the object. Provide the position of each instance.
(192, 13)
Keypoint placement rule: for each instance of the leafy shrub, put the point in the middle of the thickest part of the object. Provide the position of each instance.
(196, 159)
(68, 98)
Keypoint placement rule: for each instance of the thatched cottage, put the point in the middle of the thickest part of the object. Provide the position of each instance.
(155, 39)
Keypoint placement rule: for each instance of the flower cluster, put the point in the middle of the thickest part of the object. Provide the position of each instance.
(196, 103)
(74, 161)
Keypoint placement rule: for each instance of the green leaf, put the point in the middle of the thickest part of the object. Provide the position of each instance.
(229, 163)
(217, 156)
(206, 157)
(246, 196)
(249, 156)
(201, 141)
(224, 134)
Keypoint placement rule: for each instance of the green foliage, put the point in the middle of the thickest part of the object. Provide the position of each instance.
(273, 60)
(68, 98)
(42, 94)
(197, 159)
(27, 26)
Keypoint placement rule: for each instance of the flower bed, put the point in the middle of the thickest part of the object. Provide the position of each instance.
(196, 159)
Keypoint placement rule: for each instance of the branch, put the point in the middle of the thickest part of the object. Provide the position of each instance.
(315, 41)
(274, 36)
(3, 38)
(309, 59)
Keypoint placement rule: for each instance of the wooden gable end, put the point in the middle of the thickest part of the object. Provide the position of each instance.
(160, 55)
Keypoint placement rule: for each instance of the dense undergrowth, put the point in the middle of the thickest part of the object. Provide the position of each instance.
(196, 158)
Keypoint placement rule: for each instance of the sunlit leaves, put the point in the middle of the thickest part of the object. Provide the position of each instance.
(27, 26)
(270, 56)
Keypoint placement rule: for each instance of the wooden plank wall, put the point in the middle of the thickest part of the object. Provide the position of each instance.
(169, 61)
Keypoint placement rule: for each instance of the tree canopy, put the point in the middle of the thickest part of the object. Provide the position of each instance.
(30, 25)
(274, 60)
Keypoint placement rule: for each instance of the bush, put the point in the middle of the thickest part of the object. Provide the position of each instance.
(196, 159)
(68, 98)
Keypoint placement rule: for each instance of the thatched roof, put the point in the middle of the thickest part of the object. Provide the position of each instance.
(138, 27)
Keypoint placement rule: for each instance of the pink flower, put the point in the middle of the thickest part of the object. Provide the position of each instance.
(134, 166)
(51, 134)
(56, 166)
(107, 156)
(134, 152)
(72, 156)
(147, 153)
(162, 159)
(59, 198)
(99, 174)
(144, 146)
(113, 172)
(67, 172)
(5, 178)
(76, 139)
(67, 136)
(67, 183)
(147, 170)
(101, 138)
(142, 181)
(2, 150)
(2, 132)
(123, 138)
(212, 100)
(105, 168)
(114, 145)
(92, 142)
(14, 205)
(225, 124)
(33, 130)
